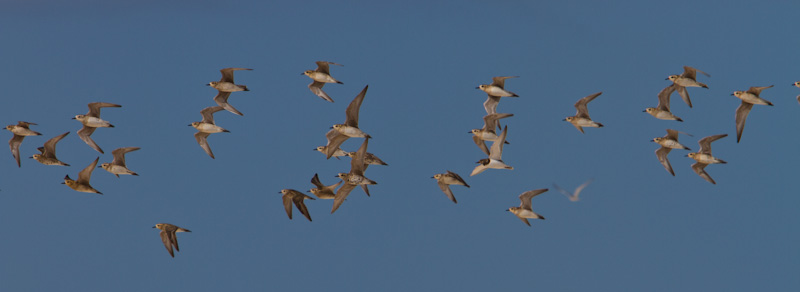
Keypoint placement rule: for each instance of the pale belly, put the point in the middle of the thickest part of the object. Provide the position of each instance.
(671, 144)
(322, 77)
(352, 132)
(705, 158)
(751, 98)
(685, 82)
(95, 122)
(665, 115)
(23, 132)
(585, 123)
(209, 128)
(497, 91)
(116, 169)
(497, 164)
(228, 87)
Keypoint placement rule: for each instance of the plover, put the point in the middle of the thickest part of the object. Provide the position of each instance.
(321, 76)
(495, 91)
(207, 127)
(495, 156)
(668, 142)
(487, 133)
(168, 236)
(341, 132)
(82, 183)
(354, 178)
(20, 131)
(336, 153)
(524, 211)
(581, 118)
(322, 191)
(117, 166)
(749, 98)
(92, 121)
(704, 157)
(369, 159)
(225, 86)
(48, 156)
(797, 84)
(573, 196)
(687, 79)
(661, 111)
(292, 196)
(446, 179)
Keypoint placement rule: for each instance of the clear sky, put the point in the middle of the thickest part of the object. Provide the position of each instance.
(637, 228)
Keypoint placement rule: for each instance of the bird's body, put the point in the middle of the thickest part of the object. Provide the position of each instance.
(82, 183)
(117, 166)
(449, 178)
(524, 211)
(581, 118)
(341, 132)
(704, 157)
(321, 76)
(48, 152)
(168, 236)
(92, 121)
(20, 131)
(292, 196)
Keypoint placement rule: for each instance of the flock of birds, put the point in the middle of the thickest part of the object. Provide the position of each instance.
(361, 159)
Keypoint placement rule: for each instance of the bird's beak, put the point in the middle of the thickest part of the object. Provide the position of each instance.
(30, 157)
(477, 87)
(63, 183)
(154, 227)
(644, 111)
(304, 73)
(564, 119)
(209, 84)
(666, 78)
(189, 125)
(687, 155)
(733, 94)
(72, 118)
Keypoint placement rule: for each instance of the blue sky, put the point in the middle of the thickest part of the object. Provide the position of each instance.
(636, 227)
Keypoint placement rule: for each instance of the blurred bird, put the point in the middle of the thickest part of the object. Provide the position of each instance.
(574, 195)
